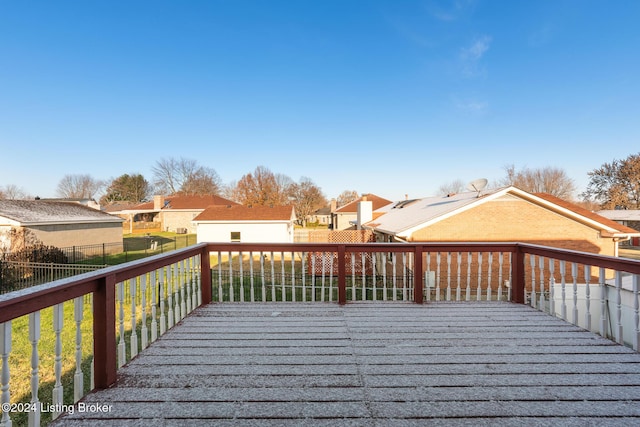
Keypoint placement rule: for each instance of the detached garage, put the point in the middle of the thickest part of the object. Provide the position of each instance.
(246, 224)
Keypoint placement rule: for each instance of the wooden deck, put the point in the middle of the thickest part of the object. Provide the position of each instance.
(373, 364)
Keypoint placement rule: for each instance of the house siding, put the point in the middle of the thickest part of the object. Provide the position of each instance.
(509, 219)
(66, 235)
(171, 221)
(249, 232)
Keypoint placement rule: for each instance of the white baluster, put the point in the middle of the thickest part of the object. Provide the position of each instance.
(324, 257)
(458, 277)
(313, 277)
(5, 350)
(304, 276)
(563, 287)
(161, 289)
(448, 276)
(220, 292)
(428, 277)
(395, 284)
(479, 291)
(133, 338)
(500, 266)
(187, 286)
(241, 272)
(144, 332)
(34, 337)
(574, 273)
(57, 393)
(231, 284)
(636, 312)
(78, 377)
(183, 285)
(293, 277)
(552, 291)
(198, 274)
(619, 337)
(587, 315)
(603, 303)
(264, 287)
(154, 320)
(364, 277)
(121, 344)
(353, 277)
(533, 300)
(284, 278)
(169, 286)
(176, 296)
(384, 279)
(438, 263)
(489, 288)
(542, 302)
(331, 277)
(404, 276)
(468, 293)
(373, 276)
(273, 278)
(252, 292)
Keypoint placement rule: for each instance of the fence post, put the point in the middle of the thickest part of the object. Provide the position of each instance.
(417, 275)
(517, 280)
(104, 255)
(342, 276)
(104, 332)
(205, 276)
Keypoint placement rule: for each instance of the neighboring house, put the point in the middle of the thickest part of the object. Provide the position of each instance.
(500, 215)
(627, 217)
(345, 216)
(257, 224)
(60, 224)
(91, 203)
(321, 216)
(172, 213)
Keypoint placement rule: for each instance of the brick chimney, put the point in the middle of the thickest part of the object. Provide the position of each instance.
(334, 205)
(158, 202)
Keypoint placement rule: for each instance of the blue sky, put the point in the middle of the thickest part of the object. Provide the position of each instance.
(392, 97)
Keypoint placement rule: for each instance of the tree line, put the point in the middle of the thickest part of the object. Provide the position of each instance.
(614, 185)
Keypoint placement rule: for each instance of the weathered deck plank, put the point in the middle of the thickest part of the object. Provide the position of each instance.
(373, 364)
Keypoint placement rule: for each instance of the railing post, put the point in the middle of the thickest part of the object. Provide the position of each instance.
(104, 332)
(417, 275)
(342, 276)
(517, 281)
(205, 275)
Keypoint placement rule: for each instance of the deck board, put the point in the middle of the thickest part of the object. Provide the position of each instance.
(400, 364)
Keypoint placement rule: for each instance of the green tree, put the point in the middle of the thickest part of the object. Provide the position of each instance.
(616, 185)
(132, 188)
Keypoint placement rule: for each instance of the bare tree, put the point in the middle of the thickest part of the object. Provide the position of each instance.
(81, 186)
(347, 196)
(616, 185)
(307, 197)
(550, 180)
(261, 188)
(453, 187)
(13, 192)
(185, 176)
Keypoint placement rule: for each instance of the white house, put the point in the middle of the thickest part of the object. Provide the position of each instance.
(235, 223)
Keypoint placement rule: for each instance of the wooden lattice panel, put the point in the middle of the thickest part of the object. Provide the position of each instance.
(320, 262)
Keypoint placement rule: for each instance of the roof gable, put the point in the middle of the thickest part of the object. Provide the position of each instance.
(377, 202)
(246, 213)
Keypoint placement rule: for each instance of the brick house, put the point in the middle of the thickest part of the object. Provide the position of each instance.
(61, 224)
(501, 215)
(343, 218)
(172, 213)
(257, 224)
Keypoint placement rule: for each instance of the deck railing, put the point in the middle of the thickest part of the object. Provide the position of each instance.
(113, 314)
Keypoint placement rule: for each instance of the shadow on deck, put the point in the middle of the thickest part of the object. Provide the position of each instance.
(369, 364)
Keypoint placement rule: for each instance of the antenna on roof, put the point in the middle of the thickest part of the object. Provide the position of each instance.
(477, 185)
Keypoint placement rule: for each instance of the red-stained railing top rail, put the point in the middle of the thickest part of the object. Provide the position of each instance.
(25, 301)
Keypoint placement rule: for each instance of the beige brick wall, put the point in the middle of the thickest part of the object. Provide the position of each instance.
(511, 219)
(172, 220)
(67, 235)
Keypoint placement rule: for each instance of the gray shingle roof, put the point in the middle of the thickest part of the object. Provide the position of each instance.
(31, 212)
